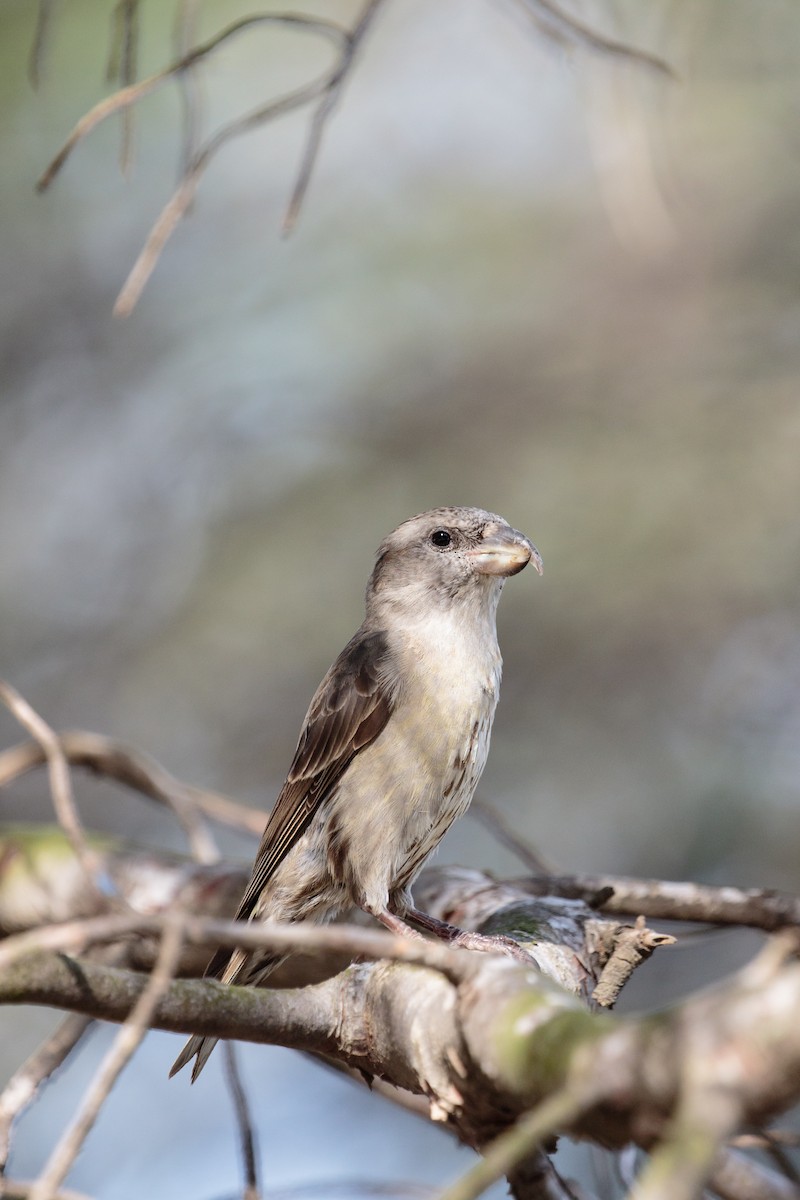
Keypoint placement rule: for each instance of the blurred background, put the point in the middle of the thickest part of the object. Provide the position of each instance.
(526, 278)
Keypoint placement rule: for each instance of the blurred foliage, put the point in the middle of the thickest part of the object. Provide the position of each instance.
(192, 497)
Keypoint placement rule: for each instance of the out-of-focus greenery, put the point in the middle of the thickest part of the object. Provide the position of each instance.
(538, 282)
(555, 288)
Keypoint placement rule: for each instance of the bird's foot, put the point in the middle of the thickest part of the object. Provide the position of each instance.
(495, 943)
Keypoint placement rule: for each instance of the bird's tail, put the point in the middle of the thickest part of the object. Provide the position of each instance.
(197, 1047)
(236, 967)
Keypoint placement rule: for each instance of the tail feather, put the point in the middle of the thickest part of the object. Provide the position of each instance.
(197, 1046)
(236, 967)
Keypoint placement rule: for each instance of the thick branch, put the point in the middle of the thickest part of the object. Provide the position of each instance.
(758, 908)
(496, 1043)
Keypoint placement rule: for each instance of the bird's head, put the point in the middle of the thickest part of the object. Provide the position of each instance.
(448, 555)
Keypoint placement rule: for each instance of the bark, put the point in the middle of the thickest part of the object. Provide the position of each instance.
(507, 1056)
(492, 1045)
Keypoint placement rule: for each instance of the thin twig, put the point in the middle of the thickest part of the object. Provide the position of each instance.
(60, 789)
(23, 1085)
(137, 91)
(501, 830)
(778, 1153)
(739, 1177)
(126, 765)
(188, 82)
(170, 216)
(44, 13)
(511, 1147)
(126, 74)
(764, 1138)
(244, 1122)
(536, 1178)
(182, 197)
(327, 87)
(554, 22)
(74, 937)
(117, 1058)
(703, 1119)
(324, 110)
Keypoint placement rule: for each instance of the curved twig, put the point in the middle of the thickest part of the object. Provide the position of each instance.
(564, 27)
(137, 91)
(122, 1050)
(24, 1084)
(182, 197)
(323, 112)
(74, 937)
(135, 769)
(60, 788)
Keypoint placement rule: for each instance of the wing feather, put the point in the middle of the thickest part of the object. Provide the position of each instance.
(349, 710)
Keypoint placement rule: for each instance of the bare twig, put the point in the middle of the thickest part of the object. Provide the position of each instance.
(244, 1122)
(123, 1048)
(23, 1085)
(136, 92)
(536, 1178)
(135, 769)
(633, 946)
(501, 830)
(327, 89)
(121, 67)
(19, 1189)
(73, 937)
(60, 788)
(763, 1138)
(44, 13)
(188, 82)
(778, 1153)
(562, 26)
(704, 1117)
(323, 111)
(736, 1177)
(182, 197)
(511, 1147)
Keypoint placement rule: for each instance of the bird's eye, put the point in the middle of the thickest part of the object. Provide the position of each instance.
(441, 538)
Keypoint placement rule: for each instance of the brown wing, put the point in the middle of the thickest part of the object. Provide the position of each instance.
(350, 708)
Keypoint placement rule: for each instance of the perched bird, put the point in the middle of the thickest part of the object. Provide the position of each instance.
(393, 744)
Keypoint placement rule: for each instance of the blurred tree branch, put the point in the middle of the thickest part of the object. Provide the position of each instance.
(507, 1057)
(321, 94)
(499, 1040)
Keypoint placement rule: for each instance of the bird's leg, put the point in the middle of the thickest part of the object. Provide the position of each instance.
(494, 943)
(397, 925)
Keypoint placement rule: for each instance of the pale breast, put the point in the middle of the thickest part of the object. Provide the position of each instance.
(403, 792)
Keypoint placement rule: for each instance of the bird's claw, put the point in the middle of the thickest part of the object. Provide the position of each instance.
(495, 943)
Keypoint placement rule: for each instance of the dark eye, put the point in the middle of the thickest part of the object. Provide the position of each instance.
(441, 538)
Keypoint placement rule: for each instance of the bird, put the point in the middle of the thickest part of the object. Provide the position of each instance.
(392, 746)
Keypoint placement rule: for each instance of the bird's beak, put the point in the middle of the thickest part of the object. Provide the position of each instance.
(504, 552)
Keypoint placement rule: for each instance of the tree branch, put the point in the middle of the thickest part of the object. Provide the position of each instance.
(757, 908)
(499, 1042)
